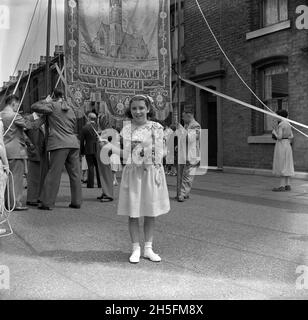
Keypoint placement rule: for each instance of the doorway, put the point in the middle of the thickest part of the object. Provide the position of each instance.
(208, 108)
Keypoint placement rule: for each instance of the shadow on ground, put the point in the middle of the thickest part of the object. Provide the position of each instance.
(86, 257)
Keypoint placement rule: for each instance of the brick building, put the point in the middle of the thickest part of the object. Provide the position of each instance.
(270, 52)
(36, 88)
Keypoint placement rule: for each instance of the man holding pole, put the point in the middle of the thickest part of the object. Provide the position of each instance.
(63, 146)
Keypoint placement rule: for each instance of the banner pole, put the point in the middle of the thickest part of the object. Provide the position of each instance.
(178, 113)
(48, 47)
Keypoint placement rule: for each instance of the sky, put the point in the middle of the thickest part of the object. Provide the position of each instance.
(13, 33)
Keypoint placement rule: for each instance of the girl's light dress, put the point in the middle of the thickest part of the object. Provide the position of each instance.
(143, 189)
(283, 158)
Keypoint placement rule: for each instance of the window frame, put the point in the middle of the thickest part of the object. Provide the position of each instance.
(270, 101)
(258, 129)
(263, 14)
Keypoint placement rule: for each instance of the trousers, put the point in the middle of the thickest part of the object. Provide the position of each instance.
(187, 174)
(92, 164)
(58, 159)
(106, 176)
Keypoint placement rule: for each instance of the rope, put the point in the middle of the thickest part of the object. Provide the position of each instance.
(29, 76)
(17, 84)
(242, 103)
(62, 70)
(6, 211)
(22, 49)
(21, 101)
(234, 68)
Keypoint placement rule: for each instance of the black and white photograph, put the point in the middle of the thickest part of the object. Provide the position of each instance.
(154, 150)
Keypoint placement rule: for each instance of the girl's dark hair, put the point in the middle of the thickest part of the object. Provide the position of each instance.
(140, 97)
(283, 113)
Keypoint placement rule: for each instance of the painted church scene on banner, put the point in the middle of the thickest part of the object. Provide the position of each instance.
(164, 136)
(117, 49)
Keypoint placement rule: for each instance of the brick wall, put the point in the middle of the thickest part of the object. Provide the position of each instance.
(231, 20)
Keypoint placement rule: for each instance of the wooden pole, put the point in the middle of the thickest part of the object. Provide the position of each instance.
(178, 113)
(48, 48)
(45, 156)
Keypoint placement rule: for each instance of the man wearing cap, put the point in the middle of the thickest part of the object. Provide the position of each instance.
(63, 146)
(189, 151)
(88, 148)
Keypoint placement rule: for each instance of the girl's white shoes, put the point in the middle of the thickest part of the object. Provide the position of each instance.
(151, 255)
(148, 254)
(135, 256)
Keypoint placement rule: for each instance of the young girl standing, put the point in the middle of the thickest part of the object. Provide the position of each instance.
(143, 189)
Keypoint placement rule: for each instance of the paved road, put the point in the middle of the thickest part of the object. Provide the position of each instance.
(234, 239)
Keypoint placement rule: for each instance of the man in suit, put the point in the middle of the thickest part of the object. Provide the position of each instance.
(189, 151)
(63, 146)
(88, 147)
(104, 169)
(37, 164)
(15, 144)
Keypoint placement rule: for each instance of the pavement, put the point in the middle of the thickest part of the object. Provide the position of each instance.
(233, 239)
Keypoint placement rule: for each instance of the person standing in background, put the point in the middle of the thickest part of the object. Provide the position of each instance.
(16, 150)
(35, 175)
(188, 141)
(283, 166)
(104, 169)
(88, 148)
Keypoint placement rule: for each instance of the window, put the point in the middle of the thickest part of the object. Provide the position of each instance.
(275, 91)
(274, 11)
(174, 23)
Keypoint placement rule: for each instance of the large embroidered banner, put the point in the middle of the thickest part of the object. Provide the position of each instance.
(115, 49)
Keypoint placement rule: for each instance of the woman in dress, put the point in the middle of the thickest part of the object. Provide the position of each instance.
(283, 159)
(143, 189)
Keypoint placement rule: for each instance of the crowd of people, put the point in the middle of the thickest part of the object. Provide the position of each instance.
(45, 141)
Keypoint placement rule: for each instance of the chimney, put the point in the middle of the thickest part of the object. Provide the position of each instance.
(42, 60)
(13, 79)
(34, 66)
(58, 50)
